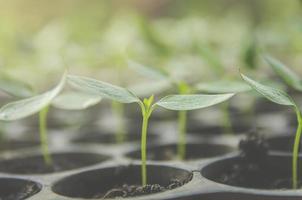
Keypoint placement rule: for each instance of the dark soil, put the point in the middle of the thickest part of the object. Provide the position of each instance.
(17, 189)
(26, 192)
(137, 190)
(253, 170)
(61, 162)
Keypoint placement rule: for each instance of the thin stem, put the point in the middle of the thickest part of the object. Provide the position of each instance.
(227, 123)
(182, 129)
(144, 149)
(296, 150)
(43, 135)
(118, 110)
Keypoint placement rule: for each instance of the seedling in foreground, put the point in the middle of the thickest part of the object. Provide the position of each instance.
(40, 103)
(280, 97)
(182, 87)
(147, 105)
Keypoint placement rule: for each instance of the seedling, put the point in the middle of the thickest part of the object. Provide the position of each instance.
(147, 105)
(40, 103)
(282, 98)
(185, 88)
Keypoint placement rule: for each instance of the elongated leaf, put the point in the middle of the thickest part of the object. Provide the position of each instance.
(147, 88)
(15, 88)
(75, 101)
(150, 72)
(192, 102)
(285, 73)
(223, 86)
(272, 94)
(102, 89)
(26, 107)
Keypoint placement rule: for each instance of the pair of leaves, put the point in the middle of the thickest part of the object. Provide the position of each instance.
(122, 95)
(285, 73)
(26, 107)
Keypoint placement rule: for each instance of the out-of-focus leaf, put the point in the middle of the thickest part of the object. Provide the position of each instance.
(145, 89)
(223, 86)
(285, 73)
(75, 101)
(26, 107)
(15, 87)
(147, 71)
(192, 102)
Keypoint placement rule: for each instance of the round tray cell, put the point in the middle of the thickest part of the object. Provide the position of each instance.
(121, 181)
(17, 189)
(271, 173)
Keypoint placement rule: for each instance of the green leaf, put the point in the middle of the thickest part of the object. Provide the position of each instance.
(272, 94)
(285, 73)
(75, 101)
(26, 107)
(105, 90)
(192, 102)
(150, 72)
(223, 86)
(15, 87)
(147, 88)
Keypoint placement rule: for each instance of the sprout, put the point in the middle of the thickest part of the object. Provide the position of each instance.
(165, 80)
(147, 105)
(280, 97)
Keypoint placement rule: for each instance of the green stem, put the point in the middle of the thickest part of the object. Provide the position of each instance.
(118, 111)
(227, 123)
(182, 129)
(296, 150)
(144, 148)
(43, 135)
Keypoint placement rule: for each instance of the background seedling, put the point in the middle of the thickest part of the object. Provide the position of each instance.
(147, 105)
(40, 103)
(187, 88)
(289, 77)
(14, 88)
(280, 97)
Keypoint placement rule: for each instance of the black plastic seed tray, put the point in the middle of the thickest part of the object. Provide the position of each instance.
(88, 164)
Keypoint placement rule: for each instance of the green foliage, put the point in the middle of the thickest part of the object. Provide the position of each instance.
(280, 97)
(172, 102)
(285, 73)
(75, 101)
(272, 94)
(15, 87)
(192, 102)
(223, 86)
(26, 107)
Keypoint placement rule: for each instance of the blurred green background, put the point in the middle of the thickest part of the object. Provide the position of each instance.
(211, 37)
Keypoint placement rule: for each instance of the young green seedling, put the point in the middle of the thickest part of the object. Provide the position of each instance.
(40, 103)
(184, 88)
(147, 105)
(280, 97)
